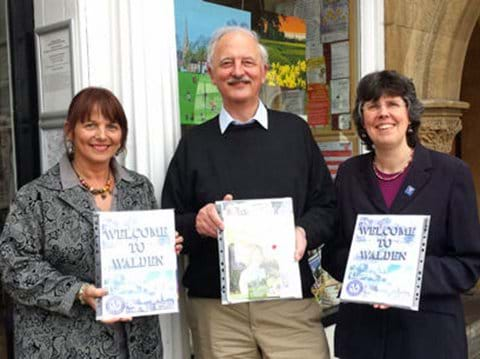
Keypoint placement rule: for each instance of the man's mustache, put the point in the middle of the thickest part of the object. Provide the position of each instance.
(237, 80)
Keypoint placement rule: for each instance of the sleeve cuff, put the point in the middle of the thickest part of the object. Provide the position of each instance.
(69, 299)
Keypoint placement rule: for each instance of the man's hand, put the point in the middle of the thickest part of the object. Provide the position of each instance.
(89, 296)
(381, 306)
(300, 243)
(208, 220)
(178, 243)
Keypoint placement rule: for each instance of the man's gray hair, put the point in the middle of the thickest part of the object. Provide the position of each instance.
(221, 32)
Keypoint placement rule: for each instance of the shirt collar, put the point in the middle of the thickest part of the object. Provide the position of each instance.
(261, 116)
(69, 178)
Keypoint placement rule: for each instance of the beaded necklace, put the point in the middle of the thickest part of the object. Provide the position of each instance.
(103, 191)
(393, 176)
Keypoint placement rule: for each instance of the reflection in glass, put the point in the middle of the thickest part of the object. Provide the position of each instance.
(7, 184)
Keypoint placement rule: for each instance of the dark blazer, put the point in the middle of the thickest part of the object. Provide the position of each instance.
(443, 188)
(46, 252)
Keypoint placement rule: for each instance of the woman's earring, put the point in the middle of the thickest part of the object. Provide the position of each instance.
(70, 147)
(410, 129)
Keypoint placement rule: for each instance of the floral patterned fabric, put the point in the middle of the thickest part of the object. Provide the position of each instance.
(46, 253)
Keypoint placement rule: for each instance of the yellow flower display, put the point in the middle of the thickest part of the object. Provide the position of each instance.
(288, 76)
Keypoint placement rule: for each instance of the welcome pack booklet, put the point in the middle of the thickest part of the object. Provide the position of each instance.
(256, 250)
(386, 259)
(136, 263)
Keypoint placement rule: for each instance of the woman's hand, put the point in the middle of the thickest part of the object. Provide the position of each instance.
(178, 243)
(88, 296)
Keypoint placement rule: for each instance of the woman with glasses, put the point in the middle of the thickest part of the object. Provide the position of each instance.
(400, 176)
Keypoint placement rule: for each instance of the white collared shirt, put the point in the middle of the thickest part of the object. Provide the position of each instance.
(261, 116)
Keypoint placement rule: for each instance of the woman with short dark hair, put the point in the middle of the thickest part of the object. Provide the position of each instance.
(47, 258)
(400, 176)
(388, 83)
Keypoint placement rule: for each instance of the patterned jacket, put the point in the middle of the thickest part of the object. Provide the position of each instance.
(47, 252)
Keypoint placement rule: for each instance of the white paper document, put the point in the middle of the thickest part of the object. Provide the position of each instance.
(340, 60)
(340, 95)
(256, 250)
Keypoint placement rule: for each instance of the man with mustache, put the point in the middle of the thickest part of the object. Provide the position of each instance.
(248, 151)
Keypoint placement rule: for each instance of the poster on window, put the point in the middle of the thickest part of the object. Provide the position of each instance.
(340, 60)
(316, 70)
(284, 38)
(195, 21)
(318, 105)
(340, 95)
(334, 20)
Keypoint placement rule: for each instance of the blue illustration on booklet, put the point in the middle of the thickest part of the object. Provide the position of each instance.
(386, 260)
(136, 263)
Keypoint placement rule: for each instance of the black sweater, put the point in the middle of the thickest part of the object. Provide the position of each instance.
(248, 162)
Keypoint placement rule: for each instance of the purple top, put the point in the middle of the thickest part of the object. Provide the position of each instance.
(390, 188)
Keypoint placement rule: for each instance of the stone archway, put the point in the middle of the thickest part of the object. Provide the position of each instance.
(427, 40)
(470, 92)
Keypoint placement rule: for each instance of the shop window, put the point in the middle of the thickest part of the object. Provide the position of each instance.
(311, 46)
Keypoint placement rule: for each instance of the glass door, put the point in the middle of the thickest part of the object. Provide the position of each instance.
(7, 162)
